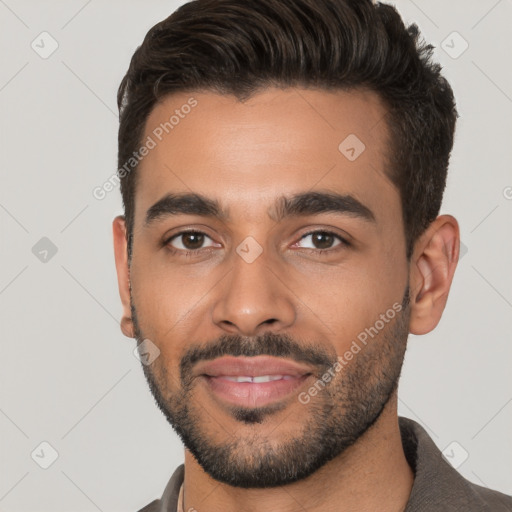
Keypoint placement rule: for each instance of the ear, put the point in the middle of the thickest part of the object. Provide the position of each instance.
(433, 264)
(123, 273)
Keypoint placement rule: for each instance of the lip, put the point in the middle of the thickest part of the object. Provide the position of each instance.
(217, 375)
(252, 394)
(251, 366)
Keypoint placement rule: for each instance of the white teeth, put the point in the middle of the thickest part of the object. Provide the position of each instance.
(261, 378)
(238, 379)
(267, 378)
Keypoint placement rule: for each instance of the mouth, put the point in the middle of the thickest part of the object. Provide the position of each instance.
(252, 381)
(258, 379)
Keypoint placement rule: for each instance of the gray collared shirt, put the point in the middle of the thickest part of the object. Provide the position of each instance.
(437, 485)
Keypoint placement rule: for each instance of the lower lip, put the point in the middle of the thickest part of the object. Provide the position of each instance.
(252, 394)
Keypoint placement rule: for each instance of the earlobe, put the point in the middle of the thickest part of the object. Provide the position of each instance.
(127, 326)
(123, 273)
(432, 269)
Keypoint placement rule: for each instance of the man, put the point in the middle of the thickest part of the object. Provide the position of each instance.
(282, 167)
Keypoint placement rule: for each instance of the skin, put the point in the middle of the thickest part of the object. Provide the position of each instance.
(246, 155)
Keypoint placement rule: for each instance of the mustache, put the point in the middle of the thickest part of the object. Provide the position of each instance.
(268, 344)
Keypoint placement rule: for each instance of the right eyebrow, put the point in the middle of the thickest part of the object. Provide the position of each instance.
(184, 204)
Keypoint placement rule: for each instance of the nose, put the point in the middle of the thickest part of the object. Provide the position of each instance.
(253, 298)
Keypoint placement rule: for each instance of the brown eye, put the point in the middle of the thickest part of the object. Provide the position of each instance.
(322, 240)
(193, 240)
(189, 240)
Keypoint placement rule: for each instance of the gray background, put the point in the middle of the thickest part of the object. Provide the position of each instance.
(68, 375)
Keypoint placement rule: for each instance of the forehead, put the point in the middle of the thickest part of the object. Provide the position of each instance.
(279, 142)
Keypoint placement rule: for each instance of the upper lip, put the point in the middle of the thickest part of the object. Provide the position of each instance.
(254, 366)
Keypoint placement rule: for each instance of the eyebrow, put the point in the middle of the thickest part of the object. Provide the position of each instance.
(301, 204)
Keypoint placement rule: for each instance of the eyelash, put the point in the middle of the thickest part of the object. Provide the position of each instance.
(190, 253)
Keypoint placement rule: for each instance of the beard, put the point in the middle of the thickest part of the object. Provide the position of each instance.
(333, 420)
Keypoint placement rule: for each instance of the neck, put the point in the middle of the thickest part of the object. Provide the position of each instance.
(373, 474)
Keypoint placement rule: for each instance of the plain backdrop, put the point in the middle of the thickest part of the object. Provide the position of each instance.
(68, 376)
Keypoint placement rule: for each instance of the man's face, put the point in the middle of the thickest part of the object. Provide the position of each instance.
(256, 304)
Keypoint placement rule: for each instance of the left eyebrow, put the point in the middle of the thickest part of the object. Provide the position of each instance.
(302, 204)
(314, 203)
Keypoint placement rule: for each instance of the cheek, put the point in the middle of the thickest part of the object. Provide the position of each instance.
(333, 300)
(170, 300)
(383, 273)
(350, 299)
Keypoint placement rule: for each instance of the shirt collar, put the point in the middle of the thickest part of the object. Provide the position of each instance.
(180, 505)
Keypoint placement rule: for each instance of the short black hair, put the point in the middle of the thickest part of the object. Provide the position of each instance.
(240, 47)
